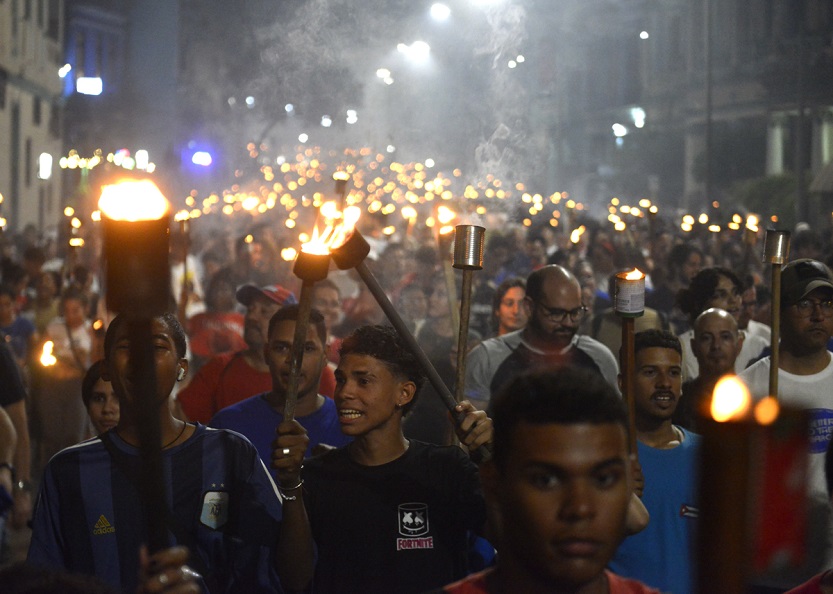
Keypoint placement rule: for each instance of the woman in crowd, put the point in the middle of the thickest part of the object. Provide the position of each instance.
(508, 310)
(715, 287)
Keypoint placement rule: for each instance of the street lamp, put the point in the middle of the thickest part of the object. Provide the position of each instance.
(440, 12)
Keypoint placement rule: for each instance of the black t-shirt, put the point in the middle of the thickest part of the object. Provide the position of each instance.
(11, 384)
(400, 527)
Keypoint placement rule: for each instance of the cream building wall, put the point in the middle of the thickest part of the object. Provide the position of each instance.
(31, 39)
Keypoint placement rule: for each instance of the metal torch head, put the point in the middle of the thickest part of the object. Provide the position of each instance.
(468, 247)
(311, 267)
(137, 270)
(352, 252)
(776, 247)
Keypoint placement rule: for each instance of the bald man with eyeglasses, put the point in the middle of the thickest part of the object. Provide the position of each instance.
(555, 310)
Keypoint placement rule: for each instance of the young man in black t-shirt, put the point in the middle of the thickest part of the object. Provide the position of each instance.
(388, 514)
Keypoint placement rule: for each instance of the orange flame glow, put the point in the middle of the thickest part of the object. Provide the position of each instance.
(767, 410)
(634, 274)
(445, 215)
(47, 359)
(575, 236)
(133, 200)
(336, 229)
(731, 400)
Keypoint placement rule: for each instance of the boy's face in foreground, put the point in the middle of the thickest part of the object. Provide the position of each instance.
(167, 363)
(367, 395)
(561, 500)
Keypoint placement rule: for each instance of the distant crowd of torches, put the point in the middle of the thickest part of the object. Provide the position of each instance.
(293, 189)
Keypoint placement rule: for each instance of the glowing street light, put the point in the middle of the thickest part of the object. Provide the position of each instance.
(440, 12)
(418, 51)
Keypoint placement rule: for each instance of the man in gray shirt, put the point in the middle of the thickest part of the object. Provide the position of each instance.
(550, 339)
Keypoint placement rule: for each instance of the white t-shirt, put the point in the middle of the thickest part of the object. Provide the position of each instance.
(81, 337)
(758, 329)
(813, 393)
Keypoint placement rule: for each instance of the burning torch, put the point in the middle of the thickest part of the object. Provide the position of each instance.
(629, 304)
(776, 254)
(352, 254)
(184, 220)
(754, 455)
(445, 239)
(311, 266)
(468, 257)
(137, 273)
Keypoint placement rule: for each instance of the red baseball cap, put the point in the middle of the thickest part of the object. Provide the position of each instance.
(247, 293)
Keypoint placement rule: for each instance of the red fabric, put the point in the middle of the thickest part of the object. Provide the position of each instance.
(476, 584)
(620, 585)
(215, 333)
(221, 382)
(327, 387)
(227, 379)
(811, 587)
(473, 584)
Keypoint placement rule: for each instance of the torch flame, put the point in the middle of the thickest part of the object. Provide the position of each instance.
(730, 400)
(575, 236)
(133, 200)
(767, 410)
(752, 223)
(337, 229)
(634, 274)
(47, 359)
(445, 215)
(182, 215)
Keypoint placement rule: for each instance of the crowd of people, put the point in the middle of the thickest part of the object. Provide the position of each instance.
(372, 485)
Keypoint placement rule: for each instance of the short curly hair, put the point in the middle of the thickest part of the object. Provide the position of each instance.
(692, 301)
(385, 344)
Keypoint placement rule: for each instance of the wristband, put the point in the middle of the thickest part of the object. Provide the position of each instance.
(295, 488)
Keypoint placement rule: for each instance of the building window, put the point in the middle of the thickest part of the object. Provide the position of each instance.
(54, 121)
(80, 54)
(54, 19)
(3, 79)
(36, 111)
(28, 160)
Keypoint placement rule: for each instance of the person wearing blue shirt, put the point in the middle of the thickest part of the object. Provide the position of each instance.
(662, 555)
(258, 416)
(245, 534)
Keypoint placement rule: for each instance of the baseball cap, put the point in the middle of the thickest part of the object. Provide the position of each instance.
(800, 277)
(276, 293)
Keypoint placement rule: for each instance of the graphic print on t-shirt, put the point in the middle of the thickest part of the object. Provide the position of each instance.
(413, 524)
(214, 509)
(820, 429)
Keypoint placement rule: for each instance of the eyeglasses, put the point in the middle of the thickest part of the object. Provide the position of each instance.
(806, 307)
(556, 314)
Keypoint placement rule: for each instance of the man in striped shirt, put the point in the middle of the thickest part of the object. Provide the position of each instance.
(221, 501)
